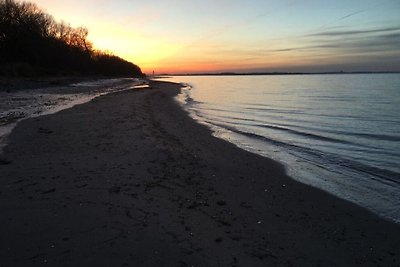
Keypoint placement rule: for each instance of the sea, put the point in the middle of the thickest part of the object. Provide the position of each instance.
(336, 132)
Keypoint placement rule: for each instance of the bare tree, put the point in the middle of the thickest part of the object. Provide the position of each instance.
(30, 36)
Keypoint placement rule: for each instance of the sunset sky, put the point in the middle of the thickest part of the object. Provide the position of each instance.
(180, 36)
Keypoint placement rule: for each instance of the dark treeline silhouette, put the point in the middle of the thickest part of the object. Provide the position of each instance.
(33, 43)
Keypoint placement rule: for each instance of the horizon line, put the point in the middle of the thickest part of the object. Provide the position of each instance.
(273, 73)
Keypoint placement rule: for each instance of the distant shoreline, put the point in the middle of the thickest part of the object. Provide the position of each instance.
(278, 73)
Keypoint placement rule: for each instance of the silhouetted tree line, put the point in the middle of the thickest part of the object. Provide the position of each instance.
(33, 43)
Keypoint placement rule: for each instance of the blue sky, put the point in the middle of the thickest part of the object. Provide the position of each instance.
(252, 35)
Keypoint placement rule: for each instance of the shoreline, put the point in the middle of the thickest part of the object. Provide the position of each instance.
(24, 99)
(310, 177)
(306, 141)
(130, 178)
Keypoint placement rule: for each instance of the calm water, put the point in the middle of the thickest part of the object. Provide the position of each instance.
(340, 133)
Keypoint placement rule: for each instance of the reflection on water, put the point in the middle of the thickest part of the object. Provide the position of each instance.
(340, 133)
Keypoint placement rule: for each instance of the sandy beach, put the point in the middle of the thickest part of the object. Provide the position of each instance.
(129, 179)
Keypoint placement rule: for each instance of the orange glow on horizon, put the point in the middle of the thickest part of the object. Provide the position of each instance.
(190, 37)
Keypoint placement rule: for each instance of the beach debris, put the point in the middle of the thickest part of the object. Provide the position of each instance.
(245, 205)
(114, 190)
(221, 203)
(4, 161)
(49, 191)
(81, 186)
(45, 131)
(224, 222)
(18, 181)
(11, 117)
(193, 204)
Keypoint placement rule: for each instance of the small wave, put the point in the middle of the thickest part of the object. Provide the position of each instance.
(394, 138)
(185, 96)
(191, 101)
(322, 159)
(292, 131)
(253, 135)
(305, 134)
(332, 98)
(274, 110)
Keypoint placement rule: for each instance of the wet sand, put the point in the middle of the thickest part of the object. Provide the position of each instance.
(129, 179)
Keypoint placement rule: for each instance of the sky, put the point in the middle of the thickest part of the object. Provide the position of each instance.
(181, 36)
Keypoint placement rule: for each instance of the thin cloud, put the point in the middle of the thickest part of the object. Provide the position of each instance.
(353, 14)
(358, 41)
(353, 32)
(301, 48)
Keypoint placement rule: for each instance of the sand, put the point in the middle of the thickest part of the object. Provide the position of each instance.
(129, 179)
